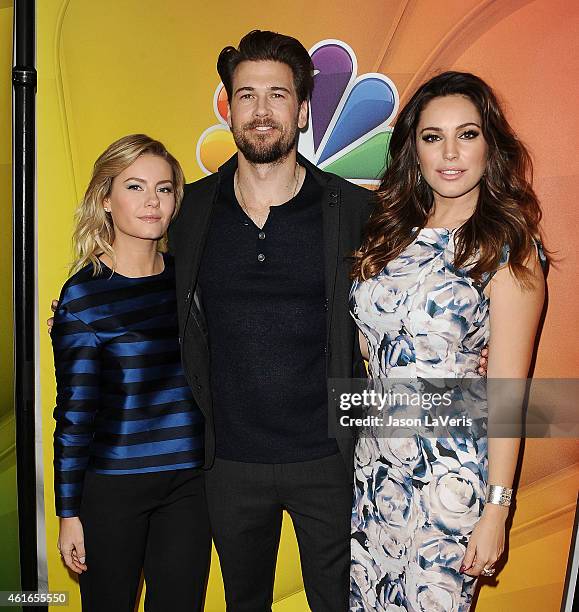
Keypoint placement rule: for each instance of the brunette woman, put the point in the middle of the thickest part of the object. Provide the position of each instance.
(451, 262)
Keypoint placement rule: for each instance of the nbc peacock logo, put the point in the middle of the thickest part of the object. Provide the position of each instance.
(349, 127)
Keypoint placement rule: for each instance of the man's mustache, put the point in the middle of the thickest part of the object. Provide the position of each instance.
(256, 124)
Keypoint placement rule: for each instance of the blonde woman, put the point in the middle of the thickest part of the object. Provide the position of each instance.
(128, 443)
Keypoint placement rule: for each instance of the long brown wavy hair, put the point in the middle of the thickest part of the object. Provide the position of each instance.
(507, 211)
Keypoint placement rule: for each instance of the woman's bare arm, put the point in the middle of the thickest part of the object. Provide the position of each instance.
(514, 317)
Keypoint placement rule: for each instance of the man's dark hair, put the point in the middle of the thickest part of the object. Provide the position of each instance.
(262, 45)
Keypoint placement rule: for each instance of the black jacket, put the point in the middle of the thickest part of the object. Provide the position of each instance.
(345, 207)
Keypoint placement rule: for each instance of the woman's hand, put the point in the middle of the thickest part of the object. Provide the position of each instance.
(71, 544)
(487, 540)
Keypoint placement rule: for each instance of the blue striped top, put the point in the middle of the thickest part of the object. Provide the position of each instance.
(123, 405)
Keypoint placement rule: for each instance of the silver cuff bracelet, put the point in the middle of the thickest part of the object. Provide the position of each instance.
(497, 494)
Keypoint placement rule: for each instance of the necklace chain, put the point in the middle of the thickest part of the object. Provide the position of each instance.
(242, 199)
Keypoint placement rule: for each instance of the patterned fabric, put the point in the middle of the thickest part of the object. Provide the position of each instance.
(123, 405)
(417, 499)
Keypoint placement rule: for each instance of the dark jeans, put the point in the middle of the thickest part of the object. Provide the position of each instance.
(246, 501)
(156, 523)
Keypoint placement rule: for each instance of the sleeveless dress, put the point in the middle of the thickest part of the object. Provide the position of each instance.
(418, 498)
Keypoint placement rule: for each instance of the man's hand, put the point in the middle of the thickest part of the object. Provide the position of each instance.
(71, 544)
(50, 322)
(482, 361)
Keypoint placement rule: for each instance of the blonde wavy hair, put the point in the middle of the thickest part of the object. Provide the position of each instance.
(94, 232)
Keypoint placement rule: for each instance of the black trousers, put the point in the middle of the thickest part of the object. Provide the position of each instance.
(156, 523)
(246, 501)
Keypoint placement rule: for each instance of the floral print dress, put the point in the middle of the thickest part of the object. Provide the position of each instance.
(418, 498)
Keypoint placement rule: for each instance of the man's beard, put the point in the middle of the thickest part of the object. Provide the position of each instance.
(265, 150)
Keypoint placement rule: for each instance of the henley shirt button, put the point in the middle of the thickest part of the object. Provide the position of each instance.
(261, 257)
(261, 235)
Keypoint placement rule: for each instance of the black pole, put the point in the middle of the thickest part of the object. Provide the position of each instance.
(24, 170)
(570, 591)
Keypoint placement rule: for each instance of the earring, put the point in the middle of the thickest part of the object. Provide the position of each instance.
(107, 210)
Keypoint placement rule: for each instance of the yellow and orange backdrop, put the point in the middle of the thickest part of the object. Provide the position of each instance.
(110, 68)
